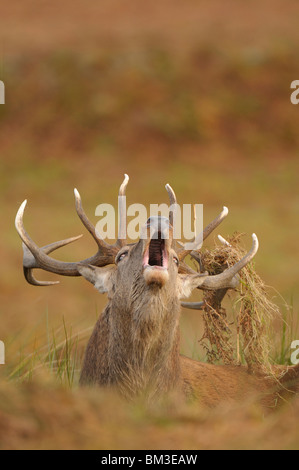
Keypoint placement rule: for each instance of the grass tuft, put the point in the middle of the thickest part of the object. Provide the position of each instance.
(60, 358)
(254, 318)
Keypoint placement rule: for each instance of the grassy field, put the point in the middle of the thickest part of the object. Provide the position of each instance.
(197, 96)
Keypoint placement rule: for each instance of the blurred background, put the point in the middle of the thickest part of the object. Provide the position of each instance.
(195, 94)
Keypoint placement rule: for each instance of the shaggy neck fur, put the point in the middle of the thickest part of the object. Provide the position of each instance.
(144, 341)
(135, 344)
(146, 360)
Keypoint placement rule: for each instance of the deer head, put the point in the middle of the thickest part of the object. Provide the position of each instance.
(137, 336)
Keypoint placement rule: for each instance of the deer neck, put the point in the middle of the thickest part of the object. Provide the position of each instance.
(144, 352)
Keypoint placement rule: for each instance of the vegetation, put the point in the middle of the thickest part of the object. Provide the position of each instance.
(207, 110)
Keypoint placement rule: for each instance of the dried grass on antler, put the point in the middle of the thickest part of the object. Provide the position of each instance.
(253, 320)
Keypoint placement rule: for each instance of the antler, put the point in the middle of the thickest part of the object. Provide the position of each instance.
(191, 247)
(173, 202)
(228, 279)
(35, 257)
(30, 262)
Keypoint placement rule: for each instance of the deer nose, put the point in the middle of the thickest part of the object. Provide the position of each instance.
(158, 227)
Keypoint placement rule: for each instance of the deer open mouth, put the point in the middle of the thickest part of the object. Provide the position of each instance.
(155, 261)
(156, 254)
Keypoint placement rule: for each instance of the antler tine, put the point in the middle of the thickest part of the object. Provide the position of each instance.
(40, 255)
(35, 257)
(121, 240)
(211, 227)
(104, 247)
(197, 243)
(193, 305)
(187, 248)
(173, 202)
(86, 222)
(29, 262)
(123, 186)
(223, 241)
(28, 273)
(229, 279)
(122, 225)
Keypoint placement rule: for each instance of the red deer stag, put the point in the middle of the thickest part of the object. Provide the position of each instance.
(135, 345)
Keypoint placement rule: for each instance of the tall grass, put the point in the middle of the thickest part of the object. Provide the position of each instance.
(60, 355)
(60, 358)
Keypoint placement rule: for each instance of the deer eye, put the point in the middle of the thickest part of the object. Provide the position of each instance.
(176, 261)
(121, 256)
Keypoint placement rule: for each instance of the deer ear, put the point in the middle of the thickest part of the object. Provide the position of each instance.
(101, 278)
(188, 282)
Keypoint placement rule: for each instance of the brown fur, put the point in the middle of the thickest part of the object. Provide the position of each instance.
(135, 343)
